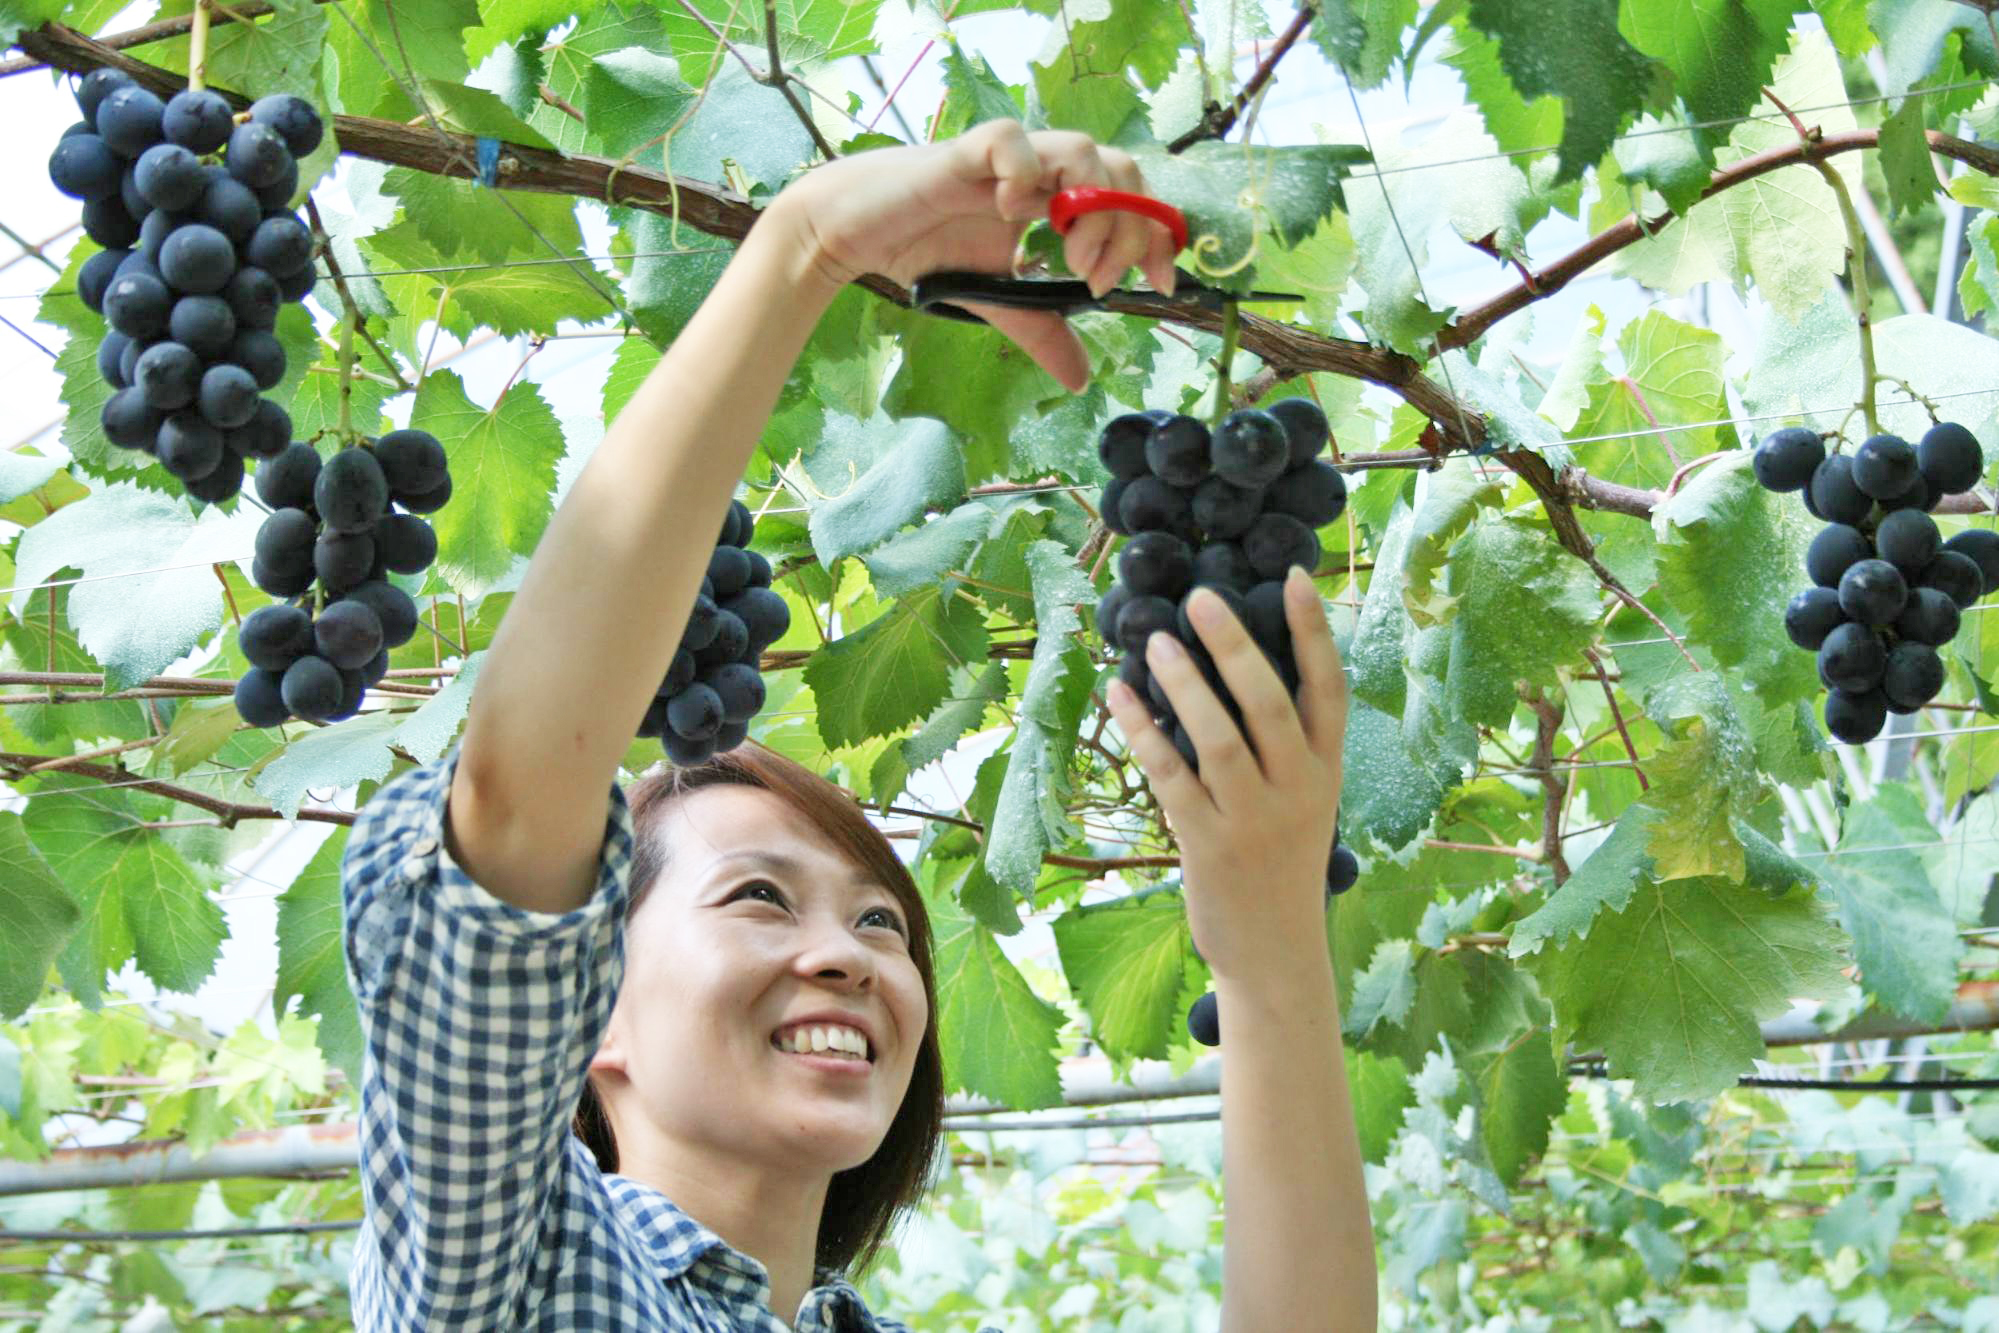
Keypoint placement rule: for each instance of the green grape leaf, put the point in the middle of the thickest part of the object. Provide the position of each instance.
(634, 97)
(1363, 37)
(1723, 541)
(1126, 961)
(458, 219)
(21, 473)
(315, 405)
(973, 94)
(138, 624)
(998, 1036)
(278, 54)
(29, 647)
(631, 365)
(341, 755)
(1515, 123)
(969, 376)
(742, 121)
(1606, 879)
(1903, 937)
(1702, 778)
(926, 553)
(502, 472)
(939, 734)
(312, 962)
(40, 917)
(1379, 1086)
(1030, 816)
(1400, 794)
(917, 467)
(672, 274)
(474, 111)
(1905, 159)
(1672, 378)
(1674, 986)
(139, 899)
(566, 68)
(896, 668)
(1572, 50)
(1509, 1055)
(1720, 51)
(1524, 607)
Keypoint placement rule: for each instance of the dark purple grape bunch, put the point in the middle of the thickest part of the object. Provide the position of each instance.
(337, 530)
(199, 255)
(714, 685)
(1888, 591)
(1204, 1019)
(1230, 510)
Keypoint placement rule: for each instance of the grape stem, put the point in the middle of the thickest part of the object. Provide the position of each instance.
(347, 381)
(1231, 328)
(197, 48)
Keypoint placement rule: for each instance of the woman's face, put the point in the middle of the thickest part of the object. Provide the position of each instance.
(755, 924)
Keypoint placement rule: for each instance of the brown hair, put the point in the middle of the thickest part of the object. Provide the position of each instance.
(864, 1202)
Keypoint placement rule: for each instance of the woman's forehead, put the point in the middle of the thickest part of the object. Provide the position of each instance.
(735, 827)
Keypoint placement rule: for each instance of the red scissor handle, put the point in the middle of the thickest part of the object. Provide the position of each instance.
(1074, 202)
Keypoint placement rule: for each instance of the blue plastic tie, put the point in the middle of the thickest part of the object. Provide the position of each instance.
(489, 163)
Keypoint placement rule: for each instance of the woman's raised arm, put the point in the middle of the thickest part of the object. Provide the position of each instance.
(609, 589)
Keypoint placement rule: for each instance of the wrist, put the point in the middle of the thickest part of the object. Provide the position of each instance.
(786, 227)
(1295, 963)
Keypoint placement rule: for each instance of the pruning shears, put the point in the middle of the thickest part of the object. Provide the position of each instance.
(935, 293)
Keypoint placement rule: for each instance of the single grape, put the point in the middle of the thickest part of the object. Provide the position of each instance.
(297, 286)
(1956, 575)
(1156, 564)
(203, 323)
(347, 634)
(219, 483)
(1151, 505)
(280, 245)
(273, 637)
(1835, 498)
(1184, 743)
(695, 713)
(285, 541)
(1855, 717)
(1142, 617)
(1913, 676)
(1833, 551)
(1183, 625)
(1223, 510)
(1305, 428)
(260, 356)
(1251, 448)
(654, 721)
(129, 119)
(230, 207)
(764, 614)
(94, 278)
(84, 167)
(343, 559)
(287, 480)
(94, 87)
(1981, 546)
(109, 354)
(253, 297)
(260, 699)
(199, 120)
(739, 687)
(704, 622)
(685, 753)
(280, 583)
(1852, 658)
(351, 493)
(258, 154)
(729, 735)
(169, 374)
(728, 570)
(1275, 542)
(292, 117)
(1908, 540)
(1786, 459)
(760, 571)
(1950, 458)
(378, 667)
(1108, 607)
(110, 223)
(1915, 496)
(278, 194)
(313, 689)
(1884, 466)
(1177, 451)
(1264, 618)
(1132, 670)
(197, 258)
(1342, 871)
(392, 606)
(189, 447)
(731, 641)
(1121, 446)
(1314, 494)
(137, 305)
(429, 502)
(1223, 565)
(228, 397)
(1204, 1022)
(679, 672)
(1931, 617)
(1873, 592)
(1813, 614)
(1108, 502)
(408, 544)
(169, 177)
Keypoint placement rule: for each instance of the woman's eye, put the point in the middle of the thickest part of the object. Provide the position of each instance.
(761, 886)
(889, 919)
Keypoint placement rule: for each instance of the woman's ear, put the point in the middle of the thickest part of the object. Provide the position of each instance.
(610, 1056)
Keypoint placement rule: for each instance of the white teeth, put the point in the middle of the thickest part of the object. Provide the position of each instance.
(822, 1040)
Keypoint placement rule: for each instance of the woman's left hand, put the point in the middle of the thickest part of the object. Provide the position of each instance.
(1255, 825)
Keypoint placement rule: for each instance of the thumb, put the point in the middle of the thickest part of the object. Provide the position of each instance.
(1044, 336)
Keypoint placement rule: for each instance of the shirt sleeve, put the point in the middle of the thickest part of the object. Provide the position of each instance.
(480, 1020)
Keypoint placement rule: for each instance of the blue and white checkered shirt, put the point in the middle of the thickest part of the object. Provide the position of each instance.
(484, 1210)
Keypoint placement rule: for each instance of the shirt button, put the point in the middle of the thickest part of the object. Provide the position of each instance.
(423, 847)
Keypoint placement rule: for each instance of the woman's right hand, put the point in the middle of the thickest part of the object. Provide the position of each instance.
(963, 204)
